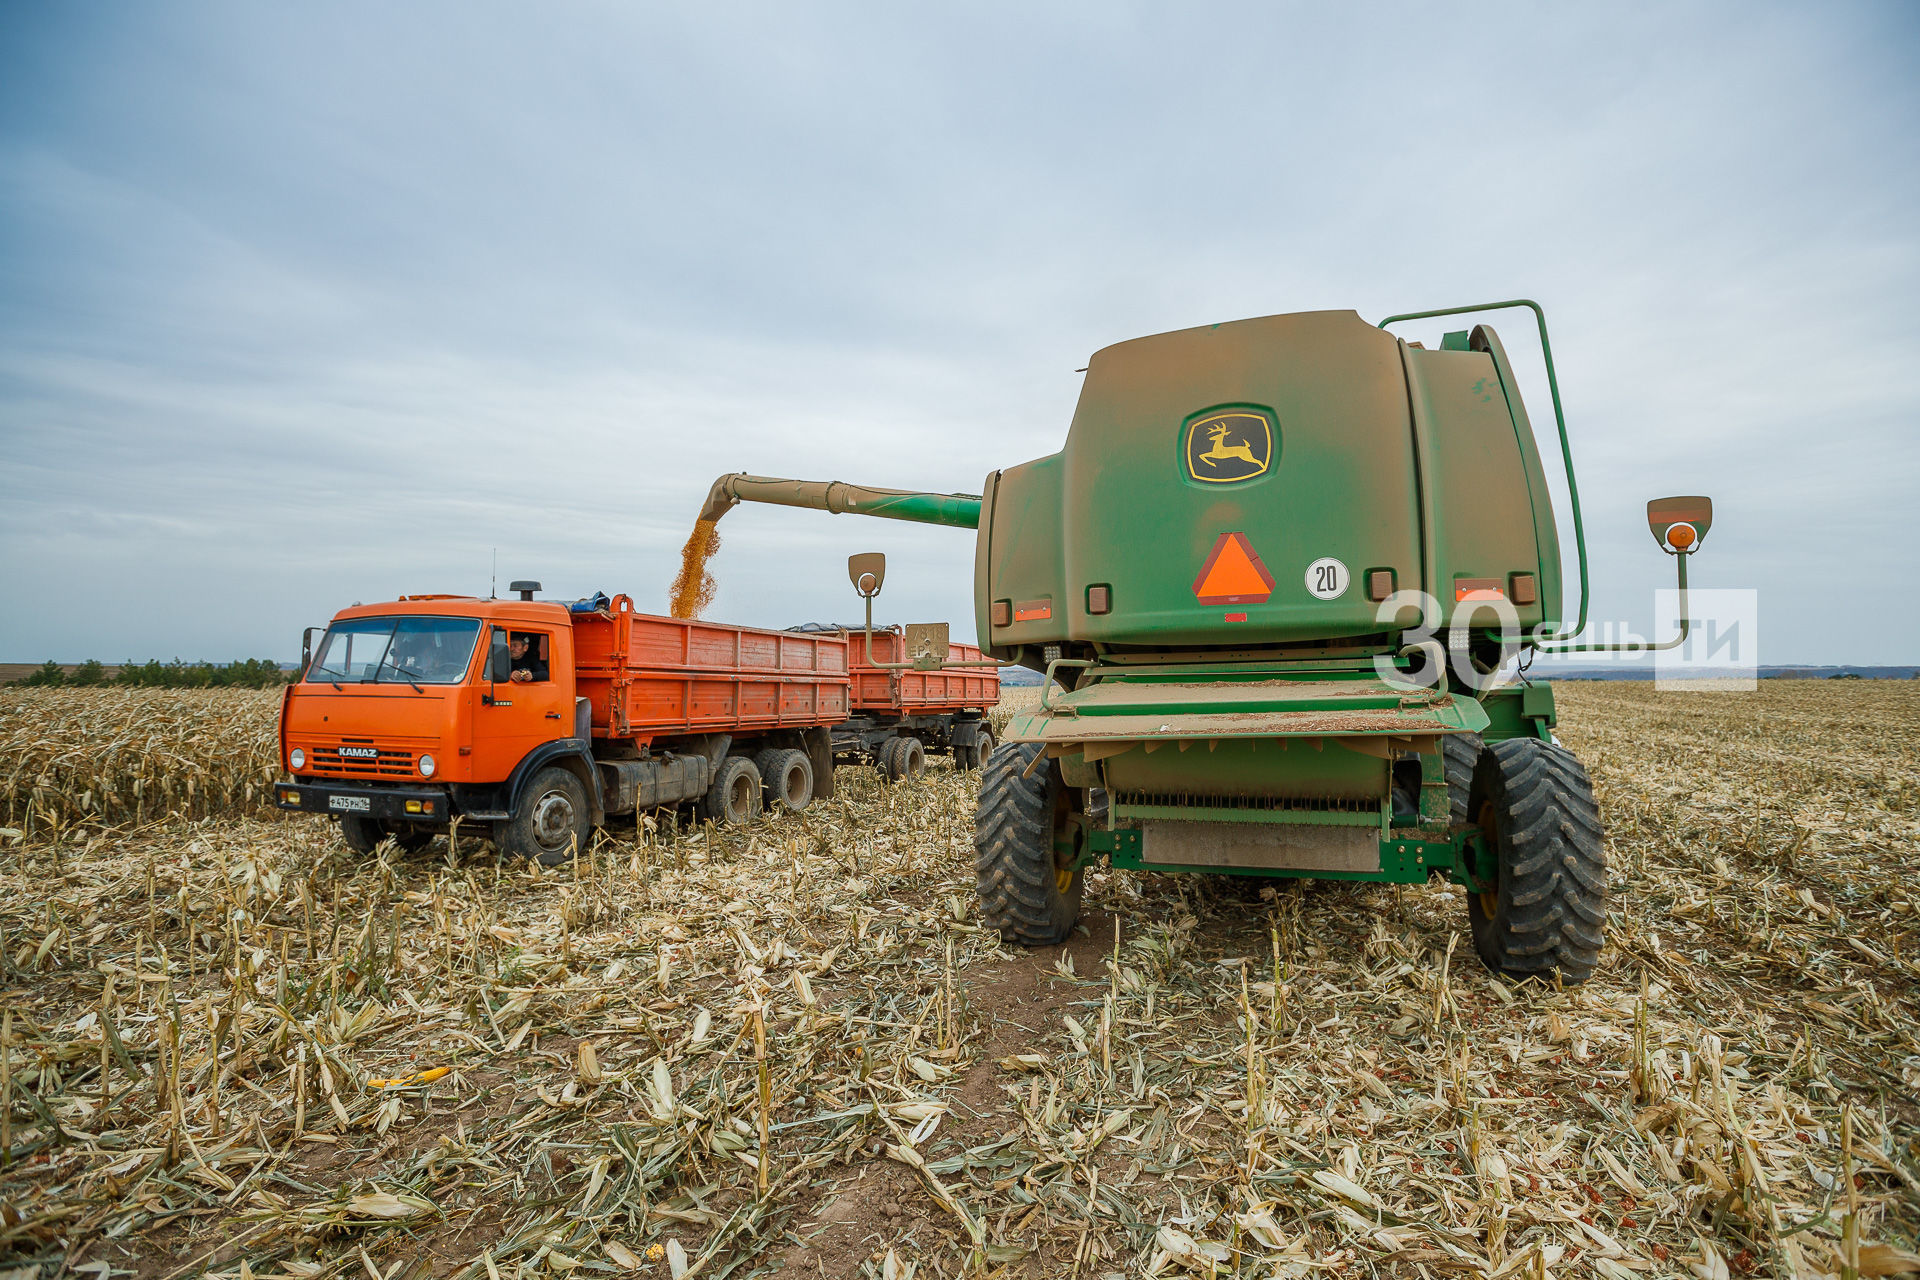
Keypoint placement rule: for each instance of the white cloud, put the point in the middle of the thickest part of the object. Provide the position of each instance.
(301, 307)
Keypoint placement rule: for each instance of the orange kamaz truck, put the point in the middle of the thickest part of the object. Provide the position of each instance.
(531, 720)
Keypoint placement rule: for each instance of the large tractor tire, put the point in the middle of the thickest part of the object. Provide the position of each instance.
(1460, 752)
(788, 778)
(1025, 891)
(552, 822)
(1546, 914)
(734, 797)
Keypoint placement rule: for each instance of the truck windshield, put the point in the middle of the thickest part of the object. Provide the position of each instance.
(396, 650)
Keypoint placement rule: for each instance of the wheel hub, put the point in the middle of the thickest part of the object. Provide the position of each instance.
(553, 820)
(1489, 823)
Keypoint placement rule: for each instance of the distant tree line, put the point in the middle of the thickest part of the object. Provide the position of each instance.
(250, 673)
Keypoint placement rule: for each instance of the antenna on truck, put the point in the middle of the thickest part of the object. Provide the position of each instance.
(493, 583)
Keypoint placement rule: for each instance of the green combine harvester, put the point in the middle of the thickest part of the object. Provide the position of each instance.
(1276, 581)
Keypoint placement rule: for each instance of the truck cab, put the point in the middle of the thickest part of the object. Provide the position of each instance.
(415, 711)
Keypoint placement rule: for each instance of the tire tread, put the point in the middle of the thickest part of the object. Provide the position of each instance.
(1013, 852)
(1554, 859)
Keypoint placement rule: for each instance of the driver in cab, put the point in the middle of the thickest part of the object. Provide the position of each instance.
(527, 664)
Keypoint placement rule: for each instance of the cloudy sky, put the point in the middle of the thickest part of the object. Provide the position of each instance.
(304, 305)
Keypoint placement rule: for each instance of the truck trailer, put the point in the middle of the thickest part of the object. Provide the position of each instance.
(902, 714)
(533, 720)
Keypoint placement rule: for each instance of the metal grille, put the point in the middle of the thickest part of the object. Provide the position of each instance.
(1295, 804)
(324, 758)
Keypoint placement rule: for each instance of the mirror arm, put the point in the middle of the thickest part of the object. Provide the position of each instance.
(871, 660)
(1686, 626)
(911, 666)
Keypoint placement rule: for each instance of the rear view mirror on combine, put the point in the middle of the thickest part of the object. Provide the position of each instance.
(1680, 524)
(868, 571)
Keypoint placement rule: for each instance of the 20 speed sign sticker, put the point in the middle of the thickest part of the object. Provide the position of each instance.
(1327, 578)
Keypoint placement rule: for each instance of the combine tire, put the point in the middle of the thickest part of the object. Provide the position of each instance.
(734, 796)
(1546, 914)
(905, 758)
(1023, 893)
(552, 821)
(1461, 752)
(788, 778)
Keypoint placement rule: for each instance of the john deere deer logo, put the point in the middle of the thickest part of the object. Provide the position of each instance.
(1225, 447)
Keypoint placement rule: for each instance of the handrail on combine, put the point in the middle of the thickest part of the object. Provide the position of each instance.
(1560, 420)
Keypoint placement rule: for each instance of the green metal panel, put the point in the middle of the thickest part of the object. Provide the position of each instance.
(1546, 532)
(1268, 732)
(1401, 861)
(982, 569)
(1269, 768)
(1339, 483)
(1483, 516)
(1519, 711)
(1255, 702)
(1483, 337)
(1023, 553)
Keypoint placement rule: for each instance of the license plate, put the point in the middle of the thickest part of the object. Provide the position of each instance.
(349, 804)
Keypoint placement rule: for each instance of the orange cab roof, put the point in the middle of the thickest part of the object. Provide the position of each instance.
(548, 611)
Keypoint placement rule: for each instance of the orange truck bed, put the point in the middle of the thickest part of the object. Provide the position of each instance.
(649, 677)
(916, 692)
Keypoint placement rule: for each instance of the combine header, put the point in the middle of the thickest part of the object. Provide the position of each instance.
(1275, 579)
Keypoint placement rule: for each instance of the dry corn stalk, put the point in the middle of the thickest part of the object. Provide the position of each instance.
(634, 1047)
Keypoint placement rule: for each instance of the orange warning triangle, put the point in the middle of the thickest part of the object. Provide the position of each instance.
(1233, 573)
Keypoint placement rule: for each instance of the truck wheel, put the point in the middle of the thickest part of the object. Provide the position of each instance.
(410, 836)
(788, 777)
(883, 758)
(552, 820)
(975, 756)
(908, 759)
(1461, 752)
(734, 797)
(1025, 891)
(1548, 909)
(361, 834)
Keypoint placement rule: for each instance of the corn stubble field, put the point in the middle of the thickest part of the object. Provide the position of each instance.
(233, 1048)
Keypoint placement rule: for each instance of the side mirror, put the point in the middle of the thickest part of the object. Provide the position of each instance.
(868, 571)
(1680, 524)
(306, 650)
(499, 661)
